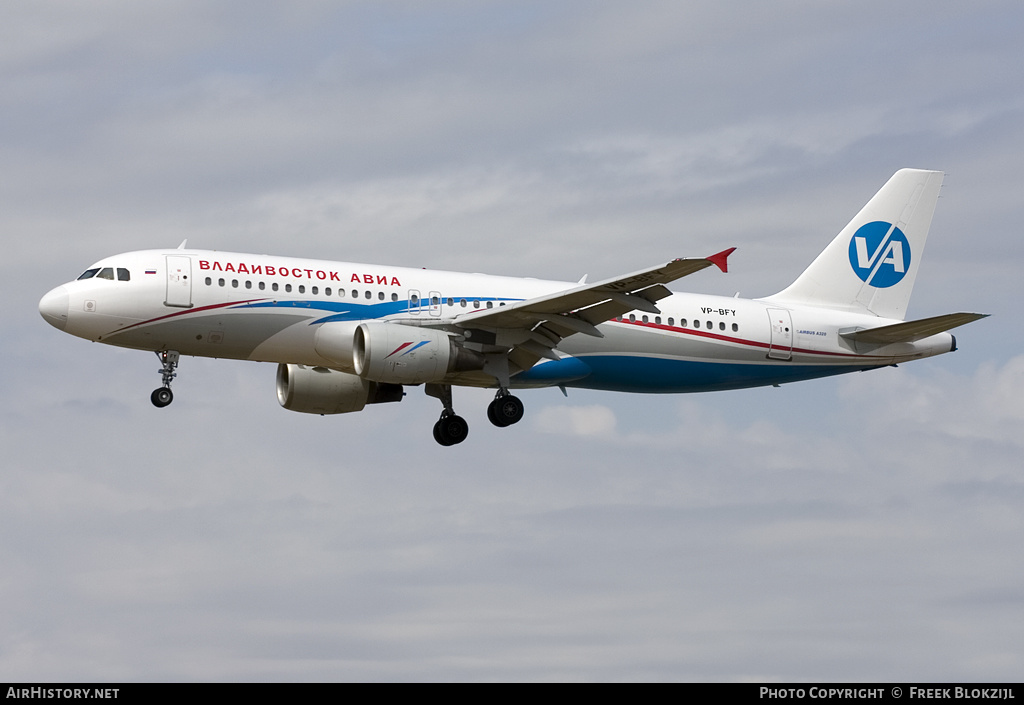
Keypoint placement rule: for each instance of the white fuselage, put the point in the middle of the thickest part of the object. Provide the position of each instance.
(267, 308)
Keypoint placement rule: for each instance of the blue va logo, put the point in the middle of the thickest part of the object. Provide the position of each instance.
(880, 254)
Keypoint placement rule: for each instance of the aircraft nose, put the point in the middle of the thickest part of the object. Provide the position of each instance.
(53, 307)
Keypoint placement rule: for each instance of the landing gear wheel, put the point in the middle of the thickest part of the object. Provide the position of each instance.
(505, 410)
(450, 429)
(161, 397)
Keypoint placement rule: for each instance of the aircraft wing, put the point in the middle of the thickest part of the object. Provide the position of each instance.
(535, 326)
(911, 331)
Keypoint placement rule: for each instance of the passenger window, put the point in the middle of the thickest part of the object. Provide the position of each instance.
(327, 291)
(735, 327)
(657, 319)
(355, 293)
(106, 273)
(435, 301)
(234, 283)
(262, 286)
(208, 281)
(451, 301)
(710, 325)
(721, 326)
(632, 318)
(288, 288)
(315, 290)
(274, 286)
(220, 282)
(380, 295)
(671, 321)
(368, 294)
(123, 275)
(394, 297)
(490, 304)
(682, 323)
(248, 284)
(302, 288)
(88, 274)
(462, 303)
(696, 324)
(644, 319)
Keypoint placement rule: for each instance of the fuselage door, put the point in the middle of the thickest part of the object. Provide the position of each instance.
(780, 346)
(435, 303)
(179, 281)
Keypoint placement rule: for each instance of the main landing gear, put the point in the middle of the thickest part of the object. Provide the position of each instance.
(451, 428)
(162, 396)
(505, 410)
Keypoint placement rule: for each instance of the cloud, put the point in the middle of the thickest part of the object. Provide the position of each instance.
(986, 406)
(591, 420)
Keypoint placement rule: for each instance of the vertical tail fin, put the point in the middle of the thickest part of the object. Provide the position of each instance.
(872, 264)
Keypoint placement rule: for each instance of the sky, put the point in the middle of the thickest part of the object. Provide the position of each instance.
(859, 528)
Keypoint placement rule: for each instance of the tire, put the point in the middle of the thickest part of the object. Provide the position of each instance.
(505, 411)
(161, 397)
(450, 430)
(437, 435)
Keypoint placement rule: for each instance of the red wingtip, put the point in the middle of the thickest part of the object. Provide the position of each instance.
(719, 259)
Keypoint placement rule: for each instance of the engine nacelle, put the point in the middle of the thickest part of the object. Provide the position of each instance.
(318, 390)
(401, 354)
(334, 341)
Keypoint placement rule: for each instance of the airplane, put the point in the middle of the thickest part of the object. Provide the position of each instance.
(346, 335)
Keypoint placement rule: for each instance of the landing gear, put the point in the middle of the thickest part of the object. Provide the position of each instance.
(450, 428)
(505, 409)
(162, 396)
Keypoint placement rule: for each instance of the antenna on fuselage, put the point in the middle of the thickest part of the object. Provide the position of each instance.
(183, 243)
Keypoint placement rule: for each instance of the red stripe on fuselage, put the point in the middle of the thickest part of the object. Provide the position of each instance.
(743, 341)
(182, 313)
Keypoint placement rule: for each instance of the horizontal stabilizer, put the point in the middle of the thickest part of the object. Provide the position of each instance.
(911, 331)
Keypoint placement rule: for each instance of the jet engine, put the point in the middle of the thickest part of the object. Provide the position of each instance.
(318, 390)
(334, 342)
(401, 354)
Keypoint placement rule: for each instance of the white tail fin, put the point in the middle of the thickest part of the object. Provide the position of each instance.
(872, 264)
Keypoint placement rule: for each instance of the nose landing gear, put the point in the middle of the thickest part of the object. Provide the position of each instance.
(162, 396)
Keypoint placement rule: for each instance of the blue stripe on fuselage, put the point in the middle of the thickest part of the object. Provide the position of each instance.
(355, 311)
(630, 373)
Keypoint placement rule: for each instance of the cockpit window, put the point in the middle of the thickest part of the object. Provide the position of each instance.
(89, 273)
(106, 273)
(123, 275)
